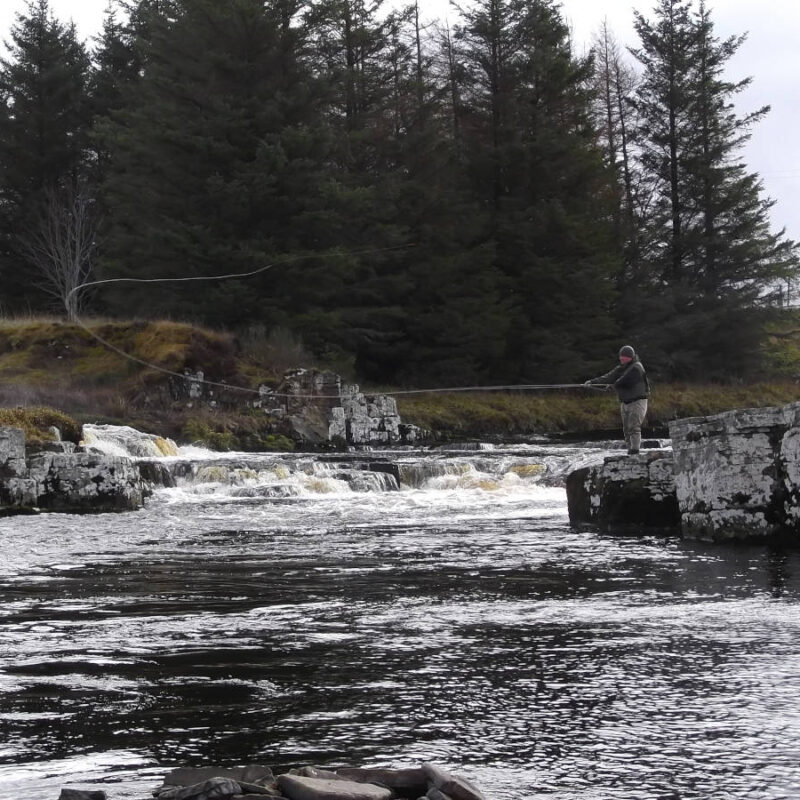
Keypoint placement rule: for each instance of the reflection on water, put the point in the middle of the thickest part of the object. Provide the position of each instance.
(448, 622)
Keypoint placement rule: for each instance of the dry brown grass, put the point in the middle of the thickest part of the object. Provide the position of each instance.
(579, 411)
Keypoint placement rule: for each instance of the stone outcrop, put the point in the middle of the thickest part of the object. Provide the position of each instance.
(427, 782)
(65, 481)
(737, 474)
(625, 493)
(319, 408)
(731, 476)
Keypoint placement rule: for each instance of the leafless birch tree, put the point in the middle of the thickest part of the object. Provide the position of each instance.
(61, 243)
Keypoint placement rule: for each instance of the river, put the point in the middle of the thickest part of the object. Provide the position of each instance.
(277, 610)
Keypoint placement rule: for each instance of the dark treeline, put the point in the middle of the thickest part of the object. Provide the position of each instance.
(443, 205)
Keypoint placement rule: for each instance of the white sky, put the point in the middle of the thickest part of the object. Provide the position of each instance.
(768, 55)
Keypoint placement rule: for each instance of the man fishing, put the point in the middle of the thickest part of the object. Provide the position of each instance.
(630, 381)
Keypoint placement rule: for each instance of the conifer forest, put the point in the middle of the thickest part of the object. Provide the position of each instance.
(460, 203)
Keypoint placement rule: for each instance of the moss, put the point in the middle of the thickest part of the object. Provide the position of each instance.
(199, 432)
(268, 442)
(528, 470)
(37, 421)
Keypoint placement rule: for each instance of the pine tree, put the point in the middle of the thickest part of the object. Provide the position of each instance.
(117, 64)
(44, 128)
(714, 262)
(456, 314)
(532, 154)
(214, 165)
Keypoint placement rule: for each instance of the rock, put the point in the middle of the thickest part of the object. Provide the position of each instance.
(337, 424)
(298, 787)
(436, 794)
(18, 495)
(84, 482)
(157, 474)
(82, 794)
(385, 467)
(212, 789)
(50, 447)
(64, 481)
(12, 453)
(457, 788)
(315, 772)
(408, 782)
(625, 492)
(737, 474)
(251, 774)
(320, 409)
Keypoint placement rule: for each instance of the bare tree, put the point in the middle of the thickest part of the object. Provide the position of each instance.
(61, 243)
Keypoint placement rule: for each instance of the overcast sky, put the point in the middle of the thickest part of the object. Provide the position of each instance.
(768, 55)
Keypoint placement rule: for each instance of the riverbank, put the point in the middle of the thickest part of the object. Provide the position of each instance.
(579, 412)
(47, 364)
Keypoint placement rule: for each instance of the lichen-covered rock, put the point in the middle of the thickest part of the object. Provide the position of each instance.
(737, 474)
(63, 481)
(12, 453)
(625, 492)
(320, 408)
(87, 482)
(18, 495)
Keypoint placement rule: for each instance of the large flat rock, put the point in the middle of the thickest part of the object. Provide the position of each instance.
(298, 787)
(737, 474)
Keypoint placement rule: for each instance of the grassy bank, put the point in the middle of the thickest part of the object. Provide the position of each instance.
(578, 411)
(46, 364)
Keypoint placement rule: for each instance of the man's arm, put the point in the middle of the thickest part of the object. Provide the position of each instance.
(609, 377)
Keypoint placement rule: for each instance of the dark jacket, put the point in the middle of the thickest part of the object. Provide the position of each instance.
(629, 380)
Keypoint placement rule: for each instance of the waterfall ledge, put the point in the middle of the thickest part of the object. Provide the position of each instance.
(65, 481)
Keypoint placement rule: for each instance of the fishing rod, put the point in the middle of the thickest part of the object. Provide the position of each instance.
(229, 386)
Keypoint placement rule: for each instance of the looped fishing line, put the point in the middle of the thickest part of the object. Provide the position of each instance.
(249, 390)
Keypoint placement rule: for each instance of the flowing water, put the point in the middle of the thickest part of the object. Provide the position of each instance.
(288, 610)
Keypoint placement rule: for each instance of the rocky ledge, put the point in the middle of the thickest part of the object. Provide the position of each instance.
(737, 474)
(61, 479)
(427, 782)
(730, 476)
(625, 493)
